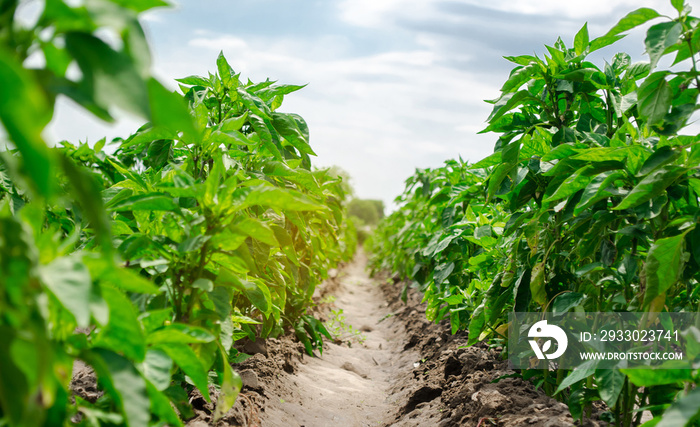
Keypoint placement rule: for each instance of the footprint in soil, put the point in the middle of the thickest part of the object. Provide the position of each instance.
(348, 366)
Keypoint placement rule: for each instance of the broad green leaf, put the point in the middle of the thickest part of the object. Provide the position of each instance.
(662, 156)
(521, 60)
(577, 181)
(288, 128)
(187, 360)
(663, 265)
(24, 111)
(161, 406)
(581, 372)
(581, 40)
(659, 38)
(109, 77)
(279, 198)
(123, 333)
(122, 278)
(257, 292)
(230, 387)
(192, 244)
(156, 368)
(13, 382)
(610, 383)
(654, 97)
(146, 202)
(126, 386)
(565, 302)
(518, 77)
(632, 20)
(678, 4)
(225, 71)
(86, 190)
(508, 101)
(596, 190)
(682, 411)
(69, 281)
(233, 123)
(169, 110)
(649, 377)
(141, 5)
(179, 333)
(194, 81)
(651, 186)
(258, 230)
(537, 284)
(477, 323)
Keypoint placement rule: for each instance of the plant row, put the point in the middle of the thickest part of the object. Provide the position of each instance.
(149, 257)
(590, 202)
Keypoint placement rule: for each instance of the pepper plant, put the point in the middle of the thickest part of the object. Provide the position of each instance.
(149, 259)
(600, 191)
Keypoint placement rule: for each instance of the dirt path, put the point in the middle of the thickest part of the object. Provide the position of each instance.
(350, 384)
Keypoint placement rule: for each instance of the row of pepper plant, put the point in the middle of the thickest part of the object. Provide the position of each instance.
(149, 257)
(590, 202)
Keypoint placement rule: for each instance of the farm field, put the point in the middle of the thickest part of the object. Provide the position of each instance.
(202, 270)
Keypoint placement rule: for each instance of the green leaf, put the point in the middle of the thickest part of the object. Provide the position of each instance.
(508, 101)
(632, 20)
(477, 323)
(577, 181)
(156, 368)
(596, 190)
(651, 186)
(662, 156)
(86, 190)
(659, 38)
(581, 40)
(648, 377)
(581, 372)
(190, 364)
(682, 411)
(69, 281)
(225, 71)
(257, 292)
(123, 333)
(109, 77)
(663, 265)
(146, 202)
(13, 382)
(122, 278)
(124, 383)
(654, 97)
(537, 284)
(24, 111)
(230, 387)
(194, 81)
(258, 230)
(169, 110)
(179, 333)
(140, 5)
(286, 126)
(610, 383)
(280, 198)
(678, 4)
(565, 302)
(161, 406)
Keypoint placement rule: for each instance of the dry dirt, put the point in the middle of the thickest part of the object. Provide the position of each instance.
(393, 369)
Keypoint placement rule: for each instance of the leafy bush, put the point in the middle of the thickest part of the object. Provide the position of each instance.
(593, 197)
(205, 226)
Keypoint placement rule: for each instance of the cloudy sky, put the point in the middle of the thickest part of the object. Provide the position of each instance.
(392, 84)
